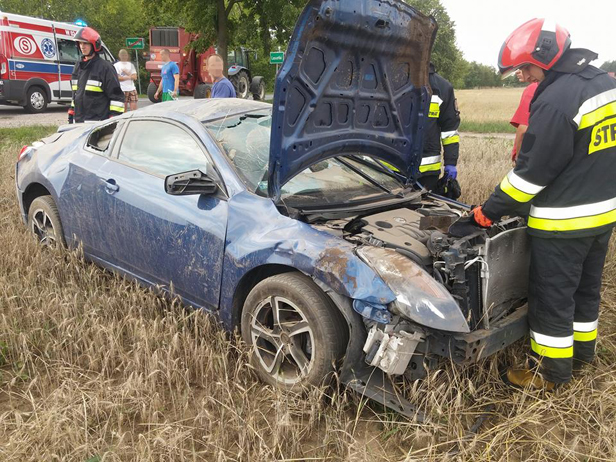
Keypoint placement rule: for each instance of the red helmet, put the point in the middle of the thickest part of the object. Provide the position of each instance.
(538, 41)
(89, 35)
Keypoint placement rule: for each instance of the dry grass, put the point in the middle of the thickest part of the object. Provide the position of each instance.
(96, 368)
(488, 110)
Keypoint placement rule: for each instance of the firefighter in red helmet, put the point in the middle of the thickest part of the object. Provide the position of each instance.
(97, 94)
(565, 172)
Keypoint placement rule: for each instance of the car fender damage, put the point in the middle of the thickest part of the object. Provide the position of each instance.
(284, 241)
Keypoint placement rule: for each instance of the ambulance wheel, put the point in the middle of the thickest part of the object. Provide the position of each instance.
(36, 100)
(152, 87)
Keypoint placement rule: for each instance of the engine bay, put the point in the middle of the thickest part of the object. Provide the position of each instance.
(486, 272)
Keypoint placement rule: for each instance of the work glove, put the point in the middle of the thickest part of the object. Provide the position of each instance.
(451, 172)
(71, 118)
(470, 224)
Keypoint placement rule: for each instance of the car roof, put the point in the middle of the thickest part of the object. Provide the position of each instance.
(204, 110)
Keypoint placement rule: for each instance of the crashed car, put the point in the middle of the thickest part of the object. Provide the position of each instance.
(285, 220)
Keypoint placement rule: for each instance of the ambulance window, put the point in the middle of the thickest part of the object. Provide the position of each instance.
(107, 56)
(69, 51)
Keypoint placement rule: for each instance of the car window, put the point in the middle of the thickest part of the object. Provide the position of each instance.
(100, 138)
(68, 50)
(160, 148)
(245, 140)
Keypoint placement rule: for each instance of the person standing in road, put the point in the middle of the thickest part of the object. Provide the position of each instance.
(520, 118)
(97, 94)
(127, 74)
(223, 88)
(565, 171)
(441, 128)
(170, 78)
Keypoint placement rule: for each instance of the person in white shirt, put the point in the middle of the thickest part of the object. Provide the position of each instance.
(127, 74)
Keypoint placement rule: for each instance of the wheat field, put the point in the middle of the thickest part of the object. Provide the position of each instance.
(95, 368)
(488, 110)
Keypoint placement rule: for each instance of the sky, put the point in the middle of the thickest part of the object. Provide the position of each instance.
(482, 25)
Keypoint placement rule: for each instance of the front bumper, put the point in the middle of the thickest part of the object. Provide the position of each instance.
(12, 91)
(479, 344)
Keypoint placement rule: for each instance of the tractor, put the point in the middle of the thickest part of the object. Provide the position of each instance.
(194, 77)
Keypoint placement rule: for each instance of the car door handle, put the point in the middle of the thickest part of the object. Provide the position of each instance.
(110, 186)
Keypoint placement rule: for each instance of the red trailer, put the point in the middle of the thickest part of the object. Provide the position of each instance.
(194, 78)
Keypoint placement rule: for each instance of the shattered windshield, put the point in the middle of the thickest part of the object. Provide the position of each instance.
(245, 139)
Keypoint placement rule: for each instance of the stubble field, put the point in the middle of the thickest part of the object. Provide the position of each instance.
(95, 368)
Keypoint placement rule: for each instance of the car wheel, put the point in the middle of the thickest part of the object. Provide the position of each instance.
(296, 334)
(152, 87)
(241, 82)
(44, 222)
(36, 100)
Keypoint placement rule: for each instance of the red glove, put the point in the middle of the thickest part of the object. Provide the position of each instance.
(480, 218)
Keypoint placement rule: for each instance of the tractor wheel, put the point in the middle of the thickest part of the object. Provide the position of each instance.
(260, 94)
(152, 87)
(241, 82)
(202, 91)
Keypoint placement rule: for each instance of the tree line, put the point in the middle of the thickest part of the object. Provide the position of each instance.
(259, 25)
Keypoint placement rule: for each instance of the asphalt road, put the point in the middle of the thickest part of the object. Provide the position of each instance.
(16, 116)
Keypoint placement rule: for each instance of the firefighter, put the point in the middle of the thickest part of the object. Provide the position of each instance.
(441, 127)
(97, 94)
(565, 172)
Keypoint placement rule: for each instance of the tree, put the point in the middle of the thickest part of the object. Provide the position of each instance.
(609, 66)
(446, 56)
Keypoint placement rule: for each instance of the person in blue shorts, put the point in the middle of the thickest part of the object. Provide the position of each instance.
(170, 78)
(222, 88)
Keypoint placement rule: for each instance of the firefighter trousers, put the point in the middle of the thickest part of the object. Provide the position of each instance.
(563, 301)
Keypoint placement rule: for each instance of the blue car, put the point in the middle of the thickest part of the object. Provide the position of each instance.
(298, 223)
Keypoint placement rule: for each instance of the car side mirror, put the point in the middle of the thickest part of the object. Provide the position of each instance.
(190, 183)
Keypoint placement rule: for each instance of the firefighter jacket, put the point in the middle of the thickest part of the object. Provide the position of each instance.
(567, 162)
(441, 127)
(97, 94)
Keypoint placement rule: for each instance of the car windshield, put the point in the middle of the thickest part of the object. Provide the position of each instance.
(245, 140)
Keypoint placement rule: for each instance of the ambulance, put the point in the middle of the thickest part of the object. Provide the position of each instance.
(36, 61)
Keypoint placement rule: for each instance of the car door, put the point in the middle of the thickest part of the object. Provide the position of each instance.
(160, 238)
(78, 197)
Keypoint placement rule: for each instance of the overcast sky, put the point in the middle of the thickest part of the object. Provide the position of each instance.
(483, 25)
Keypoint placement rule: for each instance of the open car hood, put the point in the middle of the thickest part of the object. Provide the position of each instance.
(354, 80)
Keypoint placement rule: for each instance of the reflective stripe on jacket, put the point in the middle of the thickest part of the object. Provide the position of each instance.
(97, 94)
(566, 169)
(441, 127)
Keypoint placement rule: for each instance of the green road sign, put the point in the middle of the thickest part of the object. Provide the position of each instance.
(276, 57)
(136, 43)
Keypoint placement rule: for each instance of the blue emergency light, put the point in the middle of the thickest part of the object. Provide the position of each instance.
(81, 23)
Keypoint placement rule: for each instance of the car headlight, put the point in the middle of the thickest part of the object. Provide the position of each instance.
(419, 298)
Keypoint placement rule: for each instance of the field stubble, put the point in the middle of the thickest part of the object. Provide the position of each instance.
(96, 368)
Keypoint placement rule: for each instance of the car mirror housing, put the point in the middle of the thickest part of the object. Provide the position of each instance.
(190, 183)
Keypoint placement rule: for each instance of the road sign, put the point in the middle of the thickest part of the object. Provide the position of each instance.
(136, 43)
(276, 57)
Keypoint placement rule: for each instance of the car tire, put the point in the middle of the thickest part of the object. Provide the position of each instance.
(152, 87)
(44, 222)
(260, 94)
(241, 83)
(300, 349)
(202, 91)
(36, 100)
